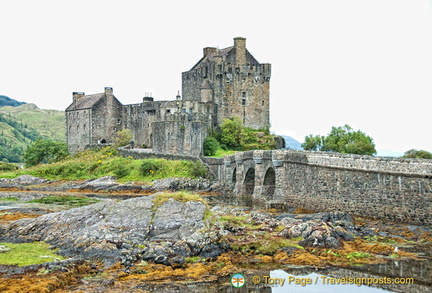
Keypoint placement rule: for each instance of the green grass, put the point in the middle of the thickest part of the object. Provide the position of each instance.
(222, 153)
(9, 199)
(358, 254)
(74, 201)
(93, 164)
(24, 254)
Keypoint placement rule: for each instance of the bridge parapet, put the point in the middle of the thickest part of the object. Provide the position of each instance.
(395, 189)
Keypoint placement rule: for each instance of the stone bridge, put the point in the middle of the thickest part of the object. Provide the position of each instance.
(393, 189)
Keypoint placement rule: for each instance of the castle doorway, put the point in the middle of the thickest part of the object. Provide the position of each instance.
(103, 141)
(250, 181)
(269, 183)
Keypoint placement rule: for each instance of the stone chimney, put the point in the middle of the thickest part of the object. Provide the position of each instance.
(240, 50)
(108, 91)
(76, 97)
(208, 51)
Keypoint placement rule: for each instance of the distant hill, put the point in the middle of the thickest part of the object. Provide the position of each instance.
(388, 153)
(6, 101)
(21, 125)
(291, 143)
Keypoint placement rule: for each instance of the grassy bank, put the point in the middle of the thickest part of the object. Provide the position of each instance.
(98, 163)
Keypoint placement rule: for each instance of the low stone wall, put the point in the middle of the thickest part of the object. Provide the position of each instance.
(141, 154)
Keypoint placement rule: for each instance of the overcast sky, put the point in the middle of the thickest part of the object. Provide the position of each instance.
(366, 63)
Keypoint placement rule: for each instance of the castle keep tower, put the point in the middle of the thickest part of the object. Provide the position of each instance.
(225, 83)
(233, 83)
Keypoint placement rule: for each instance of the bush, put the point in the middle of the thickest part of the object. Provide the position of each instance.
(198, 169)
(45, 151)
(122, 138)
(150, 167)
(121, 171)
(7, 167)
(211, 145)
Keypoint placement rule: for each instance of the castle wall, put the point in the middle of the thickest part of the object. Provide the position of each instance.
(106, 121)
(78, 132)
(180, 134)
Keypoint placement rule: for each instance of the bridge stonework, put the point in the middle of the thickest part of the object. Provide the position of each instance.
(392, 189)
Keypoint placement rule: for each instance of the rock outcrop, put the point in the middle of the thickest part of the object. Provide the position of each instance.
(126, 230)
(319, 230)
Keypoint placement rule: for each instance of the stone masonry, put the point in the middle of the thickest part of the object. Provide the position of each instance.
(225, 83)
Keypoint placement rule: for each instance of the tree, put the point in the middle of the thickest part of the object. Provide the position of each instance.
(211, 145)
(313, 142)
(232, 132)
(44, 151)
(122, 138)
(342, 139)
(417, 154)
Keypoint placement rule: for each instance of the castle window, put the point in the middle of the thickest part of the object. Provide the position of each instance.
(84, 127)
(243, 94)
(244, 101)
(263, 102)
(118, 121)
(168, 111)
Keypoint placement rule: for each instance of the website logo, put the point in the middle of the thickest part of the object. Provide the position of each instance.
(238, 280)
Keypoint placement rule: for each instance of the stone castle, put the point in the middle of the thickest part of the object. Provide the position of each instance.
(225, 83)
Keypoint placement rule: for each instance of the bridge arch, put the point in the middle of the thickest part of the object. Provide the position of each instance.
(249, 181)
(234, 177)
(269, 183)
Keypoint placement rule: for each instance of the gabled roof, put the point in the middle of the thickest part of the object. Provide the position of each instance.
(218, 53)
(86, 102)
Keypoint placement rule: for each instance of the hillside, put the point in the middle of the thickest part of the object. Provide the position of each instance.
(291, 143)
(21, 125)
(6, 101)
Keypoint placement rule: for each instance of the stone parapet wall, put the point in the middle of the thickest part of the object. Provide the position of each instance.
(392, 189)
(141, 154)
(366, 163)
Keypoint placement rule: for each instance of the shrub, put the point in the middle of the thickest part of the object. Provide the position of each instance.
(7, 167)
(121, 171)
(211, 145)
(198, 169)
(150, 167)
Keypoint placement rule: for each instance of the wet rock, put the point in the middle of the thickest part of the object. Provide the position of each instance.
(22, 180)
(180, 184)
(211, 251)
(177, 261)
(326, 230)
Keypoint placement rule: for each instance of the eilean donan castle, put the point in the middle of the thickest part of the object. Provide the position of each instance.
(224, 83)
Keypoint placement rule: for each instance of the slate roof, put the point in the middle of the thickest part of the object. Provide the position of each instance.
(218, 53)
(86, 102)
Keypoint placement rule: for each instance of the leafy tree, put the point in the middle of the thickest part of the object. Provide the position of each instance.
(44, 151)
(342, 139)
(313, 142)
(211, 145)
(417, 154)
(122, 138)
(232, 132)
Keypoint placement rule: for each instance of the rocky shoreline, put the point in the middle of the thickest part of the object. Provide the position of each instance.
(154, 229)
